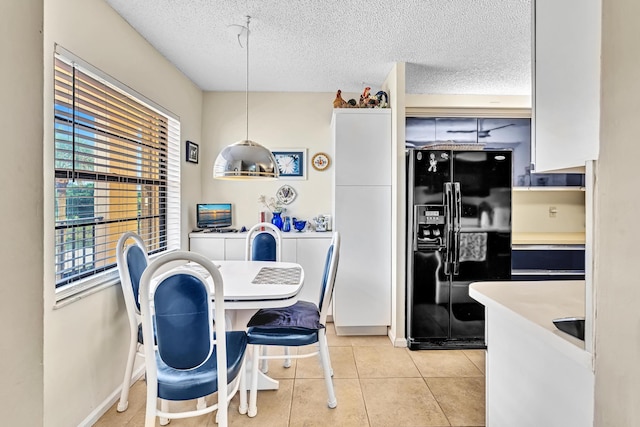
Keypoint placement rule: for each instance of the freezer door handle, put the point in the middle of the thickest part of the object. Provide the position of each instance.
(449, 212)
(457, 203)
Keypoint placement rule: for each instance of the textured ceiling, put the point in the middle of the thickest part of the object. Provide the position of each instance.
(449, 46)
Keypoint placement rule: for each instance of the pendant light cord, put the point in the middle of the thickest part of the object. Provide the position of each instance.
(246, 99)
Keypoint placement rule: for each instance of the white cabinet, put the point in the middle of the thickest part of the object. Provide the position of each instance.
(362, 215)
(209, 247)
(307, 249)
(566, 83)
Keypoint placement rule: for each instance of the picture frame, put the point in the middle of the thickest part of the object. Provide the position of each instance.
(192, 152)
(291, 162)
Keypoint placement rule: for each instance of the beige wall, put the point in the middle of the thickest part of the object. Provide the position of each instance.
(21, 343)
(395, 87)
(617, 325)
(85, 342)
(276, 120)
(531, 212)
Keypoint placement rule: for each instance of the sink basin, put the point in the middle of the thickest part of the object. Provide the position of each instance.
(573, 326)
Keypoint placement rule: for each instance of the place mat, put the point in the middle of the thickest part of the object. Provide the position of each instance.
(277, 276)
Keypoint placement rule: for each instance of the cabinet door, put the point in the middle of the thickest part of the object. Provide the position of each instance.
(566, 95)
(363, 283)
(362, 153)
(212, 248)
(234, 249)
(312, 254)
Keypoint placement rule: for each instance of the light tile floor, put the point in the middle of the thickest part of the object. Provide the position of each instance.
(376, 385)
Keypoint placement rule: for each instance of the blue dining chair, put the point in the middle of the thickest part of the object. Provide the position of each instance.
(190, 361)
(263, 243)
(132, 260)
(300, 324)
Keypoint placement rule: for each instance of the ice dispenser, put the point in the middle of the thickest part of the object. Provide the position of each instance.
(430, 227)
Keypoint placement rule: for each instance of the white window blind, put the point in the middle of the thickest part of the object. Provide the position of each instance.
(117, 169)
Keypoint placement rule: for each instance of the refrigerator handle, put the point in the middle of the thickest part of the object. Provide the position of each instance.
(448, 207)
(457, 202)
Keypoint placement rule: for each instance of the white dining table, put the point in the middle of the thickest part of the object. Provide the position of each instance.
(252, 285)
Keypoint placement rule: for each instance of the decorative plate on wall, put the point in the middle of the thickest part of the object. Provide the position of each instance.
(286, 194)
(320, 161)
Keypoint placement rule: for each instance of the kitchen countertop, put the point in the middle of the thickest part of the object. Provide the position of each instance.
(535, 304)
(548, 238)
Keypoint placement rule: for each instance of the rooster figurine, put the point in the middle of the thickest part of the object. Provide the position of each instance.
(339, 102)
(364, 98)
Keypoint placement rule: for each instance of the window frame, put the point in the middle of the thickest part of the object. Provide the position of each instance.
(170, 187)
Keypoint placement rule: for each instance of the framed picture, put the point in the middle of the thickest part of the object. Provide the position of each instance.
(192, 152)
(292, 162)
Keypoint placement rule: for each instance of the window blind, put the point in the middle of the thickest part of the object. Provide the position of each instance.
(117, 169)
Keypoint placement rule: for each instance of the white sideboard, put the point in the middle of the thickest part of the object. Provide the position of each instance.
(362, 215)
(309, 249)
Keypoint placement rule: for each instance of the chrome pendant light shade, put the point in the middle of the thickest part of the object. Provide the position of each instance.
(245, 160)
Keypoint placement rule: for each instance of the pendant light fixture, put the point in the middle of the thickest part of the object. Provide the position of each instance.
(245, 160)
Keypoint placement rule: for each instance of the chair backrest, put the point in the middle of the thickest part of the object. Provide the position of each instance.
(263, 243)
(132, 260)
(183, 311)
(329, 277)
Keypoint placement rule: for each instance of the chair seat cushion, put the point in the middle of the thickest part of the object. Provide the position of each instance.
(175, 384)
(302, 314)
(288, 337)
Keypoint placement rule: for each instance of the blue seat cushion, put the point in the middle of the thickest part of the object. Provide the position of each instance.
(177, 384)
(302, 314)
(288, 337)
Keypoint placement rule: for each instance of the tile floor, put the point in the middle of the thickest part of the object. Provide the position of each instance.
(376, 385)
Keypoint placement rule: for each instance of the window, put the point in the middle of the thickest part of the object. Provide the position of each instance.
(116, 170)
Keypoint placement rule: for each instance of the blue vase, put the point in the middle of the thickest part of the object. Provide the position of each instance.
(276, 219)
(287, 224)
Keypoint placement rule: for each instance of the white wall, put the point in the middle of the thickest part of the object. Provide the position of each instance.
(21, 225)
(85, 342)
(395, 88)
(617, 325)
(276, 120)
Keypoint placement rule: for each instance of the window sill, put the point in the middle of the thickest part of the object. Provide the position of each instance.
(85, 288)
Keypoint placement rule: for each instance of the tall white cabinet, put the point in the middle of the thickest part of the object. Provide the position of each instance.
(362, 214)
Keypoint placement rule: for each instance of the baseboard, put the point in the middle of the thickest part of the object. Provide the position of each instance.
(361, 330)
(103, 407)
(397, 342)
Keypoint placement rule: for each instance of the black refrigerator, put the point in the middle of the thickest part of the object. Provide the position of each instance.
(458, 232)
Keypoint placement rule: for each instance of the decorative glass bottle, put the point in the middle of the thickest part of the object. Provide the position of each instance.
(276, 219)
(287, 224)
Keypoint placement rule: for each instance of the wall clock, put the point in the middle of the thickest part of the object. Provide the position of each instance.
(320, 161)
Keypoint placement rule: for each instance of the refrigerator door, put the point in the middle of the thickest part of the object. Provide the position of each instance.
(482, 233)
(428, 174)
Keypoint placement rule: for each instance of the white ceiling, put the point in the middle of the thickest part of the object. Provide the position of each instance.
(449, 46)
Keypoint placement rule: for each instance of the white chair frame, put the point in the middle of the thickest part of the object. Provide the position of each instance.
(266, 227)
(133, 314)
(224, 393)
(323, 346)
(257, 229)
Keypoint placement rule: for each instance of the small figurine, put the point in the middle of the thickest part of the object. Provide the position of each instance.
(339, 102)
(364, 98)
(383, 99)
(433, 163)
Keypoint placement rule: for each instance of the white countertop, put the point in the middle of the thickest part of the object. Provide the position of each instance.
(285, 235)
(535, 304)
